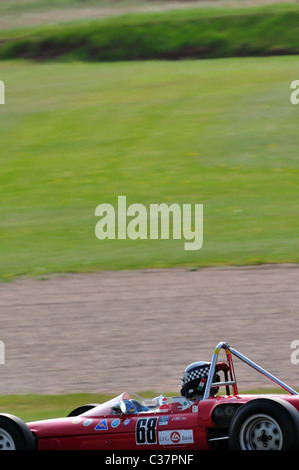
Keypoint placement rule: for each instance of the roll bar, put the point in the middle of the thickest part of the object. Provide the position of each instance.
(230, 380)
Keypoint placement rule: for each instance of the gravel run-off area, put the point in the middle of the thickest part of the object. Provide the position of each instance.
(138, 330)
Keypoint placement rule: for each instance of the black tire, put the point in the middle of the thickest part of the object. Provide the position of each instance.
(81, 409)
(15, 434)
(265, 424)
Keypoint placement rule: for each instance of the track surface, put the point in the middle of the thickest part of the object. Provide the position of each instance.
(137, 331)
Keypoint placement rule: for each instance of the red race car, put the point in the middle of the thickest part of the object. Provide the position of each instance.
(199, 419)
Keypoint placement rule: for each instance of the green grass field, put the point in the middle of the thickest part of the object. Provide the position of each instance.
(35, 407)
(221, 132)
(73, 135)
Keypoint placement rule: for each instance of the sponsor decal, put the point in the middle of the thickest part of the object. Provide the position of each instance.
(115, 423)
(163, 421)
(101, 426)
(127, 421)
(175, 437)
(180, 436)
(179, 418)
(76, 420)
(87, 422)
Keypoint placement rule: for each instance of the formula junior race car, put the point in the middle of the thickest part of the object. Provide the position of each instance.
(199, 419)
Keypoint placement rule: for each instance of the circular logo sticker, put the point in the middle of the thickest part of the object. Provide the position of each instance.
(115, 423)
(87, 422)
(76, 420)
(175, 437)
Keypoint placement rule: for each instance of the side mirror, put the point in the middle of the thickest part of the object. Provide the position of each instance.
(116, 408)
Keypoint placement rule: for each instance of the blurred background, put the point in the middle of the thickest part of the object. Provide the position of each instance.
(163, 102)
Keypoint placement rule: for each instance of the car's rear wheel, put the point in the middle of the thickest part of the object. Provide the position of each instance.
(265, 424)
(15, 434)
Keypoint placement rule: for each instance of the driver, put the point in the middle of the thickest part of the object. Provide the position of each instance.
(193, 380)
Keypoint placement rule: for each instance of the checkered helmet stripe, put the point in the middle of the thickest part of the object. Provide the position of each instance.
(195, 374)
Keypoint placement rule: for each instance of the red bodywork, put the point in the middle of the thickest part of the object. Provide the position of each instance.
(165, 424)
(170, 428)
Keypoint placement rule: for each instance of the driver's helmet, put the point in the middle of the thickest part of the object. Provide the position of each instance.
(193, 380)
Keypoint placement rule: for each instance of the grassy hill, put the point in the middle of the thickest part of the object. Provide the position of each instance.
(222, 133)
(194, 33)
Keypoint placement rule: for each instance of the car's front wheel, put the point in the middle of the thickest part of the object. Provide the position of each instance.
(265, 424)
(82, 409)
(15, 434)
